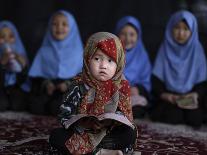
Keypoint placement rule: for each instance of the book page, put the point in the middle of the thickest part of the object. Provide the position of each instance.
(110, 116)
(117, 117)
(187, 103)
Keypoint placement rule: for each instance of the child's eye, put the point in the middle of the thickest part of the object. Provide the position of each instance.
(110, 60)
(54, 23)
(65, 24)
(96, 58)
(132, 34)
(186, 29)
(176, 28)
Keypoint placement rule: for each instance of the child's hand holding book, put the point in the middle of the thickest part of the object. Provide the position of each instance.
(90, 124)
(93, 125)
(189, 101)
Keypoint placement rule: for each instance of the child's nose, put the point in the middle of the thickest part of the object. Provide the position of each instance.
(103, 64)
(182, 32)
(59, 26)
(128, 37)
(7, 40)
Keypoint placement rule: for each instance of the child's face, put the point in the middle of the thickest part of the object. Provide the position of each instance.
(129, 36)
(60, 27)
(102, 67)
(6, 36)
(181, 32)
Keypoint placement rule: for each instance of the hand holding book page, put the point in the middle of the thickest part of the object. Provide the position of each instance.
(189, 101)
(138, 100)
(93, 125)
(100, 121)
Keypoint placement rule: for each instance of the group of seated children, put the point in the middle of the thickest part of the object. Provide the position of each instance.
(112, 74)
(172, 90)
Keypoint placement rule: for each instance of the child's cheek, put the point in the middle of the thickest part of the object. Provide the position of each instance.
(1, 41)
(12, 40)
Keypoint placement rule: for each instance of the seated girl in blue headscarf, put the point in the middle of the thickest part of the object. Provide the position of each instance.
(13, 62)
(58, 59)
(179, 73)
(138, 66)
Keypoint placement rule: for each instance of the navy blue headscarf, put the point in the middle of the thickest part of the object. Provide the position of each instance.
(138, 66)
(181, 66)
(59, 59)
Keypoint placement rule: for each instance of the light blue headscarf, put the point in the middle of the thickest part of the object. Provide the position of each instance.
(180, 67)
(10, 77)
(138, 66)
(59, 59)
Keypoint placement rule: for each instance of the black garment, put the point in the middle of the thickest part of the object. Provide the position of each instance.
(114, 140)
(40, 102)
(57, 139)
(17, 98)
(205, 109)
(140, 111)
(12, 97)
(168, 113)
(45, 105)
(4, 102)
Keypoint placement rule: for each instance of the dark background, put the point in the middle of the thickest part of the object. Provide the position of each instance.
(31, 17)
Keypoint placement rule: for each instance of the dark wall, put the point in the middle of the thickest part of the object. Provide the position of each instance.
(31, 17)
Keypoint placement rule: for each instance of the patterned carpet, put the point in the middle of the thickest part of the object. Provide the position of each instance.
(25, 134)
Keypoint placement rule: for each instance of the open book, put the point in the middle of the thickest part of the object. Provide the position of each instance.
(187, 103)
(106, 116)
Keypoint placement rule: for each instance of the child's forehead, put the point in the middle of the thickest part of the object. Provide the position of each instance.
(129, 26)
(59, 15)
(182, 22)
(5, 29)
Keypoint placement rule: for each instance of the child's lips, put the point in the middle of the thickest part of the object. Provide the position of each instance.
(59, 33)
(181, 39)
(102, 73)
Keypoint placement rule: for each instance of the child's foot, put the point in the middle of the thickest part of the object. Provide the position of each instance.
(109, 152)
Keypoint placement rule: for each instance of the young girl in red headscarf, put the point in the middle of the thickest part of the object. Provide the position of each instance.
(99, 89)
